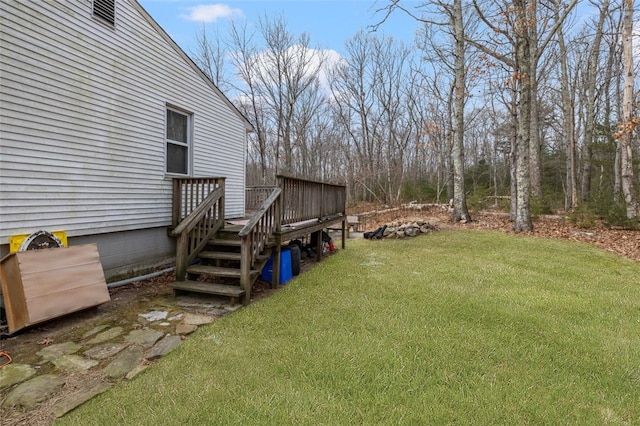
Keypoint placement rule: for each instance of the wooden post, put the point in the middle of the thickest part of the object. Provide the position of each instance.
(221, 202)
(319, 244)
(245, 268)
(345, 232)
(176, 202)
(182, 251)
(275, 276)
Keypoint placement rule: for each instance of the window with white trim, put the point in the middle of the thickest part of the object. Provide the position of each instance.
(105, 10)
(178, 141)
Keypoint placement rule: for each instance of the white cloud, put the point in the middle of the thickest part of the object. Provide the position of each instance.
(332, 58)
(211, 12)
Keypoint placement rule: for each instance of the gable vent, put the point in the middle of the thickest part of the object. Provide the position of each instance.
(105, 10)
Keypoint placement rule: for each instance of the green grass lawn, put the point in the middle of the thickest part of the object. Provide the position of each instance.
(448, 328)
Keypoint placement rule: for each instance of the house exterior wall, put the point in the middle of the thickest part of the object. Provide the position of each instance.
(82, 121)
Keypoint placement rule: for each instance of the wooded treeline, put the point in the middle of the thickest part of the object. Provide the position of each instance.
(534, 100)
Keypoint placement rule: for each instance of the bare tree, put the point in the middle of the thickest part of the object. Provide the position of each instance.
(245, 60)
(515, 24)
(210, 57)
(453, 26)
(629, 122)
(460, 212)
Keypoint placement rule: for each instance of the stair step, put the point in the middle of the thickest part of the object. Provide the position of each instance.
(221, 255)
(224, 242)
(209, 288)
(227, 255)
(217, 271)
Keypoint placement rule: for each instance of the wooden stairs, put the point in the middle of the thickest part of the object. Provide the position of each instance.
(216, 257)
(217, 268)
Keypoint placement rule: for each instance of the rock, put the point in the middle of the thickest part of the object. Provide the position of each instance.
(105, 350)
(87, 391)
(425, 229)
(197, 319)
(49, 353)
(30, 393)
(145, 337)
(411, 231)
(585, 234)
(400, 234)
(232, 308)
(154, 315)
(105, 336)
(94, 331)
(164, 346)
(176, 317)
(74, 363)
(387, 232)
(136, 370)
(15, 373)
(185, 329)
(124, 362)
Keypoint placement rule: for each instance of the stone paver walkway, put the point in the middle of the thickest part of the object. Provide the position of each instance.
(65, 374)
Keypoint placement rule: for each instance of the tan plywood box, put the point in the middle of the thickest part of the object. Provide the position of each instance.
(39, 285)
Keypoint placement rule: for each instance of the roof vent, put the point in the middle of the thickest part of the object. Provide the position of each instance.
(105, 10)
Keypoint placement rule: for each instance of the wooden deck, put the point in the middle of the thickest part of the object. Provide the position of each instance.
(238, 249)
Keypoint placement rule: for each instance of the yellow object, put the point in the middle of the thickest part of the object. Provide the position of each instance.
(16, 240)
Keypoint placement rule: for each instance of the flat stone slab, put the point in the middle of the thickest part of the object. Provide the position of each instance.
(164, 346)
(94, 331)
(74, 363)
(32, 392)
(155, 315)
(51, 352)
(146, 337)
(105, 350)
(126, 361)
(106, 335)
(136, 370)
(185, 329)
(15, 373)
(198, 319)
(87, 391)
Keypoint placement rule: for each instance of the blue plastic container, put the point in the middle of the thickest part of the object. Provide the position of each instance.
(285, 267)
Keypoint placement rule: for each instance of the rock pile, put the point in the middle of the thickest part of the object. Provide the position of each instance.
(401, 230)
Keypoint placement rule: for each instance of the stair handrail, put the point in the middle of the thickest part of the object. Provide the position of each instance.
(267, 206)
(195, 230)
(256, 233)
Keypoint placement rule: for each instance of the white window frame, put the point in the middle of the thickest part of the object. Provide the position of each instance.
(188, 144)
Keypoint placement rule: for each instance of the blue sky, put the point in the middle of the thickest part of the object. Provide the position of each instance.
(329, 22)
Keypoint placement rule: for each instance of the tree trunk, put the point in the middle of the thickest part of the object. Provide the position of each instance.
(523, 66)
(571, 199)
(460, 212)
(590, 91)
(513, 156)
(629, 122)
(535, 145)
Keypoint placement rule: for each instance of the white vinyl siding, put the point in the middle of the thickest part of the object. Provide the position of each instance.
(82, 121)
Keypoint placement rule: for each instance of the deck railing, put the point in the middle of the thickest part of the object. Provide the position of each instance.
(255, 196)
(198, 213)
(305, 199)
(189, 193)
